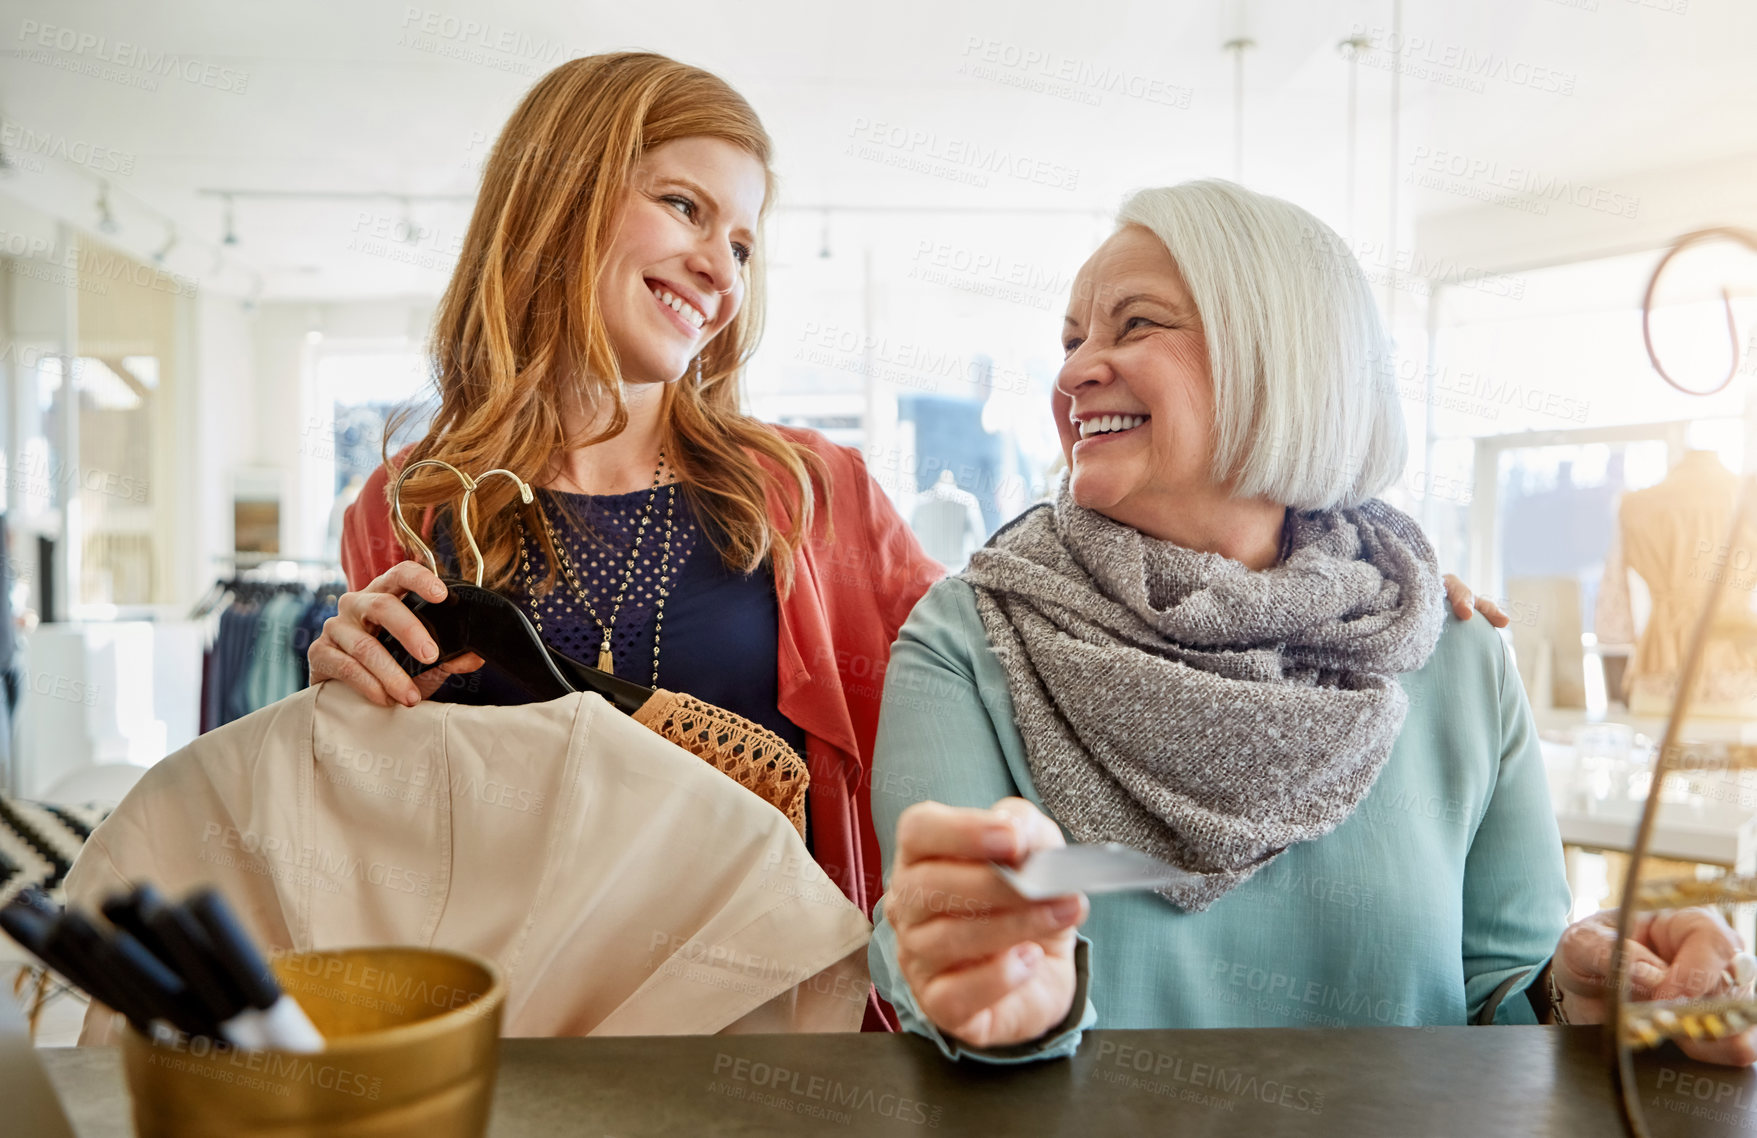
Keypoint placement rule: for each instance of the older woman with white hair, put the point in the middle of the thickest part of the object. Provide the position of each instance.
(1217, 646)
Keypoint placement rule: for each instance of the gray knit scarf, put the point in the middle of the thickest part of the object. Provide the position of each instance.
(1185, 705)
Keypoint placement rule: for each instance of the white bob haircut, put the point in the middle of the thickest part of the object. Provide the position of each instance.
(1305, 404)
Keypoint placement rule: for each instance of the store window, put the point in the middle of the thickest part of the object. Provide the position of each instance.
(929, 340)
(92, 472)
(1558, 513)
(360, 390)
(117, 411)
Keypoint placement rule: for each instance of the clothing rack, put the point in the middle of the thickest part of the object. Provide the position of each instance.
(264, 615)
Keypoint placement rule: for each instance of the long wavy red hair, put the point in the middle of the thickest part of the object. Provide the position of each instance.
(519, 334)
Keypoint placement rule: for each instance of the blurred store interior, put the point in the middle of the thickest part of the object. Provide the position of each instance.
(219, 277)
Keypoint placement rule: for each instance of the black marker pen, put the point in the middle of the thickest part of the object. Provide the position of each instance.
(30, 928)
(281, 1023)
(78, 943)
(127, 912)
(140, 971)
(188, 950)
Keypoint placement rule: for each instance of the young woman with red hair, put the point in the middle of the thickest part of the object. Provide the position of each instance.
(607, 296)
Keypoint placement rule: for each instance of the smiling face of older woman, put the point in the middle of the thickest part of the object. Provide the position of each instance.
(1134, 404)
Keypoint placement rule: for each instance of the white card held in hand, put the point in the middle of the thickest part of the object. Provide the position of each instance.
(1107, 868)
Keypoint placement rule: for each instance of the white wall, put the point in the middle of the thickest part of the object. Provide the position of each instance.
(223, 414)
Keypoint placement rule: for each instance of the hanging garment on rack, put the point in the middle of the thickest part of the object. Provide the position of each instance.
(622, 885)
(256, 652)
(237, 641)
(273, 674)
(210, 697)
(310, 627)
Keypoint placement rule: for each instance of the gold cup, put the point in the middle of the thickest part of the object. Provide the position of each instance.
(411, 1039)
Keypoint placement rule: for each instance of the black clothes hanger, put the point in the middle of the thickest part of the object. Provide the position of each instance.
(474, 619)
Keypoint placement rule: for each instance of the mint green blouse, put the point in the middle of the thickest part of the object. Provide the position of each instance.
(1436, 903)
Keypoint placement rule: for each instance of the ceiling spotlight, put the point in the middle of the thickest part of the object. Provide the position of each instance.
(106, 220)
(231, 236)
(1352, 49)
(164, 250)
(1238, 46)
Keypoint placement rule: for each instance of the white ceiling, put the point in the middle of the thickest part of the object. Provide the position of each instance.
(337, 98)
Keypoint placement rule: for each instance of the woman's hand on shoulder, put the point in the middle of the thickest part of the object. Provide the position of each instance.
(1673, 954)
(349, 650)
(1463, 601)
(985, 965)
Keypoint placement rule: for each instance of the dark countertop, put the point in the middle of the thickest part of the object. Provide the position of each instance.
(1402, 1082)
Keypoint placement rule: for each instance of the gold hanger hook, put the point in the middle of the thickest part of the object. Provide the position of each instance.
(1744, 237)
(524, 496)
(470, 484)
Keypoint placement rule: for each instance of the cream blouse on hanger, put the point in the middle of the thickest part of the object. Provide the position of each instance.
(623, 885)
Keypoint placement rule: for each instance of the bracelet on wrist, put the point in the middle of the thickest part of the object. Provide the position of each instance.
(1558, 1014)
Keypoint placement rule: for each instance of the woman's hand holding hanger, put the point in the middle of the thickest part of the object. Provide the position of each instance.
(349, 650)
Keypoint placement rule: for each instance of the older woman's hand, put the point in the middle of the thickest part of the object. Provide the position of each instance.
(349, 650)
(985, 965)
(1462, 599)
(1675, 953)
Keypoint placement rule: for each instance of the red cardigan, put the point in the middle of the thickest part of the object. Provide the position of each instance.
(849, 597)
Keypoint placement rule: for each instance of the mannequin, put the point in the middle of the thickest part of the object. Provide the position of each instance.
(948, 520)
(1673, 536)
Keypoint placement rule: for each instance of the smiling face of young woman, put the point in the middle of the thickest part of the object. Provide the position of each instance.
(1134, 402)
(673, 277)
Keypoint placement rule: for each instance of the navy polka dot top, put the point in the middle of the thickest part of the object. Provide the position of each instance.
(721, 627)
